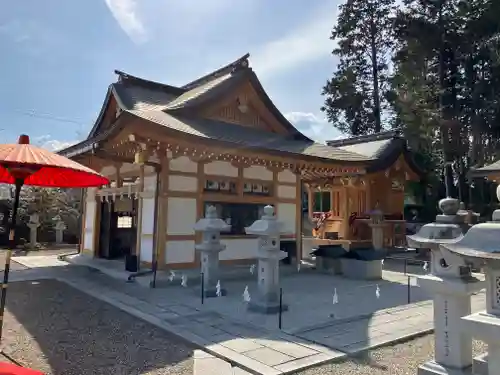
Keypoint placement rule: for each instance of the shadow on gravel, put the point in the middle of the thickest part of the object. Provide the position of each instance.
(56, 329)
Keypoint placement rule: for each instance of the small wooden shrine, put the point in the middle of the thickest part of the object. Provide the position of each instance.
(340, 207)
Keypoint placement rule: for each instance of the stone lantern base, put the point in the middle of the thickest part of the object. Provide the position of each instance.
(267, 306)
(212, 292)
(433, 368)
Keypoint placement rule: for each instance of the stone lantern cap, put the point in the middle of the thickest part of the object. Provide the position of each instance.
(267, 225)
(211, 222)
(445, 229)
(482, 241)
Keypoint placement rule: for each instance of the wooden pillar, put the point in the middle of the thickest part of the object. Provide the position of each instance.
(368, 188)
(298, 219)
(161, 228)
(118, 177)
(310, 201)
(346, 211)
(139, 212)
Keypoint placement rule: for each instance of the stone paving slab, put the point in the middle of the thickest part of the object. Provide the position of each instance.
(207, 364)
(39, 261)
(385, 327)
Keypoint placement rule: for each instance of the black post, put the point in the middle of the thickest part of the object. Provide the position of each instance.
(12, 245)
(155, 267)
(202, 288)
(406, 262)
(281, 309)
(409, 289)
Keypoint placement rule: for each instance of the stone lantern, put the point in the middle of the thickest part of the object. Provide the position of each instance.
(210, 247)
(268, 228)
(451, 284)
(481, 248)
(33, 224)
(60, 227)
(377, 224)
(448, 227)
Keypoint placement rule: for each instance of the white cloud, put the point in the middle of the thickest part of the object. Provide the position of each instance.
(313, 126)
(126, 14)
(306, 43)
(48, 143)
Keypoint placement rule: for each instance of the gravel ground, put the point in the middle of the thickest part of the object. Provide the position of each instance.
(400, 359)
(54, 328)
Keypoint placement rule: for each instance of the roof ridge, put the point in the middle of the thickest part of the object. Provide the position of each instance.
(122, 76)
(240, 62)
(365, 138)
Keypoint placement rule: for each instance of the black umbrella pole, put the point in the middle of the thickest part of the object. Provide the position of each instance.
(12, 244)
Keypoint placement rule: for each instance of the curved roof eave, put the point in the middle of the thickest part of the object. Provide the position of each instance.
(110, 93)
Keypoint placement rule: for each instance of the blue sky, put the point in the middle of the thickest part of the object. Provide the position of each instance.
(58, 56)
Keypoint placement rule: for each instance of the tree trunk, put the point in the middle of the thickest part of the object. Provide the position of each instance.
(376, 96)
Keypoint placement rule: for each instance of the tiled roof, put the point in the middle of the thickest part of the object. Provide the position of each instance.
(139, 97)
(246, 136)
(487, 170)
(371, 145)
(171, 107)
(199, 91)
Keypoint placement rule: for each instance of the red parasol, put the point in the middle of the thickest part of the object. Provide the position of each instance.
(11, 369)
(25, 164)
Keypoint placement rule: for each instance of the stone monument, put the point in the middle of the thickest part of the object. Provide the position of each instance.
(209, 248)
(481, 248)
(60, 227)
(268, 228)
(33, 224)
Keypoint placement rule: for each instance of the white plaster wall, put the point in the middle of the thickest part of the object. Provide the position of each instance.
(150, 183)
(148, 215)
(239, 248)
(286, 191)
(108, 170)
(88, 236)
(221, 168)
(287, 176)
(183, 164)
(179, 252)
(286, 214)
(146, 254)
(258, 172)
(181, 215)
(182, 183)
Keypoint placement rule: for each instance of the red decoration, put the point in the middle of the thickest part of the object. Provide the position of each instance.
(11, 369)
(39, 167)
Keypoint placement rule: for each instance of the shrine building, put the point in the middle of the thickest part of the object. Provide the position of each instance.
(219, 140)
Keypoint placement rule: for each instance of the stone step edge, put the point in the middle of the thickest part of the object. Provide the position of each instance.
(334, 322)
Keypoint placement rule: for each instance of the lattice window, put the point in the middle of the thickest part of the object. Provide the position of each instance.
(124, 222)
